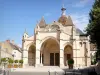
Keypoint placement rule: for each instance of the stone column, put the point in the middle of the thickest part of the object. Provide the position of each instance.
(61, 58)
(24, 54)
(88, 54)
(37, 64)
(25, 57)
(41, 59)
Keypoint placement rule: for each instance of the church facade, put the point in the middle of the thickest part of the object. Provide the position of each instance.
(53, 44)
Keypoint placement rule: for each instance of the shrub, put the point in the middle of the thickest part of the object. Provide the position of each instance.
(70, 62)
(21, 61)
(16, 61)
(10, 61)
(3, 60)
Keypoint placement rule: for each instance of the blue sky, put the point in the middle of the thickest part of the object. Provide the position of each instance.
(18, 15)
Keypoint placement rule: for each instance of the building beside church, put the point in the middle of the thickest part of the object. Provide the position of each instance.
(53, 44)
(8, 49)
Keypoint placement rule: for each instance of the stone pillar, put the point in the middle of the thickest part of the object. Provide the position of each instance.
(37, 58)
(37, 64)
(24, 54)
(25, 57)
(88, 54)
(41, 59)
(61, 58)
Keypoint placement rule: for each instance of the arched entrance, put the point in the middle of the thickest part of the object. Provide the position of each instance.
(50, 52)
(68, 53)
(31, 55)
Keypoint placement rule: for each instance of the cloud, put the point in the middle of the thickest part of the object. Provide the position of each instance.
(81, 3)
(80, 20)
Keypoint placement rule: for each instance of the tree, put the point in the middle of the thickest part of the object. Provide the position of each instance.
(93, 59)
(93, 28)
(3, 60)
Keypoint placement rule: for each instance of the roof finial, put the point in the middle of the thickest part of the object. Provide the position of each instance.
(63, 9)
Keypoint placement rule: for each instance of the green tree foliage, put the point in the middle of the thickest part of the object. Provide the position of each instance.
(93, 28)
(3, 60)
(93, 60)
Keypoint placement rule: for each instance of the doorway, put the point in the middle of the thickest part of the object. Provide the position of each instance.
(54, 59)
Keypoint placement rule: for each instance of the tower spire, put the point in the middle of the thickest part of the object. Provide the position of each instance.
(25, 31)
(63, 9)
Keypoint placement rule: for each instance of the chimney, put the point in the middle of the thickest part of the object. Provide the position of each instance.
(8, 41)
(12, 41)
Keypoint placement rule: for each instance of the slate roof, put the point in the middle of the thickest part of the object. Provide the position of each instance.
(79, 31)
(42, 22)
(11, 46)
(66, 21)
(15, 47)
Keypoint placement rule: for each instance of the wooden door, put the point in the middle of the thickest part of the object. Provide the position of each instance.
(56, 59)
(51, 59)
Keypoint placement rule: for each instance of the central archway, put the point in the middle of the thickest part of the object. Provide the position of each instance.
(50, 52)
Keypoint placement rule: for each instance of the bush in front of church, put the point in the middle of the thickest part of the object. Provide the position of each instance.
(70, 63)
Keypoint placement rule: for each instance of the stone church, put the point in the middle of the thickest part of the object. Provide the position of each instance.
(53, 44)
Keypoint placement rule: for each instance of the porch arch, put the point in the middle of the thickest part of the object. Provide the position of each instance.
(68, 54)
(31, 55)
(48, 37)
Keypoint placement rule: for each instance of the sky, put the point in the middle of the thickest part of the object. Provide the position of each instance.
(18, 15)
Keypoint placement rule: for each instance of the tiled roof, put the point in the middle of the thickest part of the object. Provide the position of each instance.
(65, 21)
(15, 47)
(79, 31)
(42, 22)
